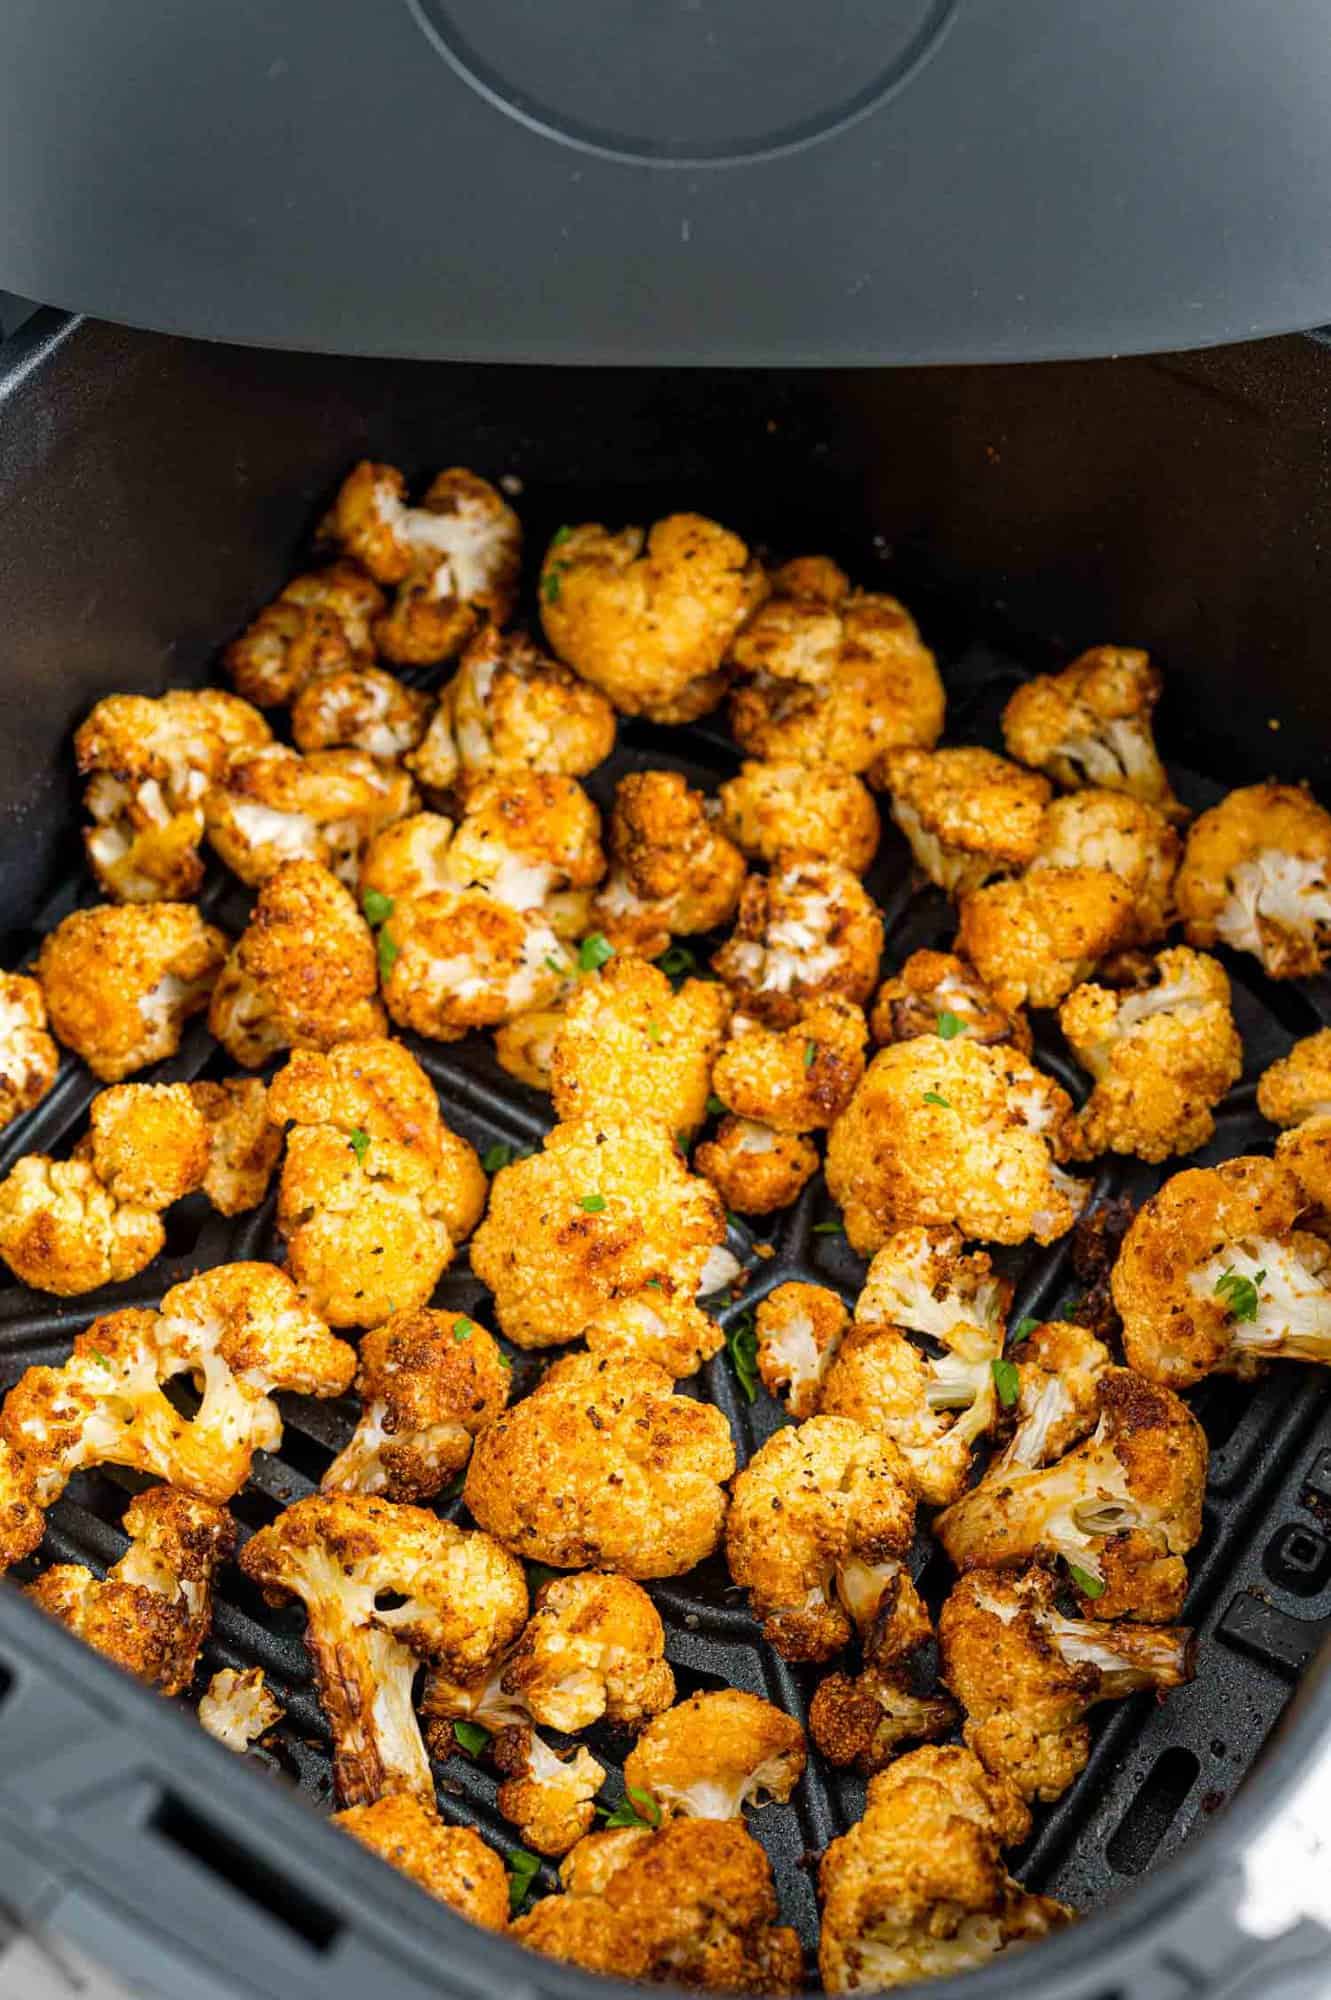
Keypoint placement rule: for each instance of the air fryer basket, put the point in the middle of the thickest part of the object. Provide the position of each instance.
(151, 493)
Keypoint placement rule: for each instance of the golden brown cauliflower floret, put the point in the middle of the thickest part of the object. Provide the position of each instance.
(62, 1231)
(715, 1754)
(917, 1889)
(510, 708)
(604, 1212)
(649, 617)
(932, 1406)
(603, 1465)
(274, 805)
(937, 993)
(365, 1224)
(359, 708)
(152, 1611)
(865, 1718)
(953, 1132)
(672, 873)
(120, 982)
(1026, 1675)
(754, 1169)
(532, 840)
(22, 1522)
(799, 1329)
(1256, 875)
(428, 1382)
(582, 1931)
(1122, 1509)
(593, 1647)
(629, 1046)
(1298, 1085)
(407, 858)
(1058, 1366)
(454, 558)
(1133, 840)
(238, 1707)
(1162, 1055)
(451, 1863)
(243, 1145)
(460, 1601)
(798, 1078)
(303, 975)
(1091, 725)
(967, 814)
(1214, 1277)
(548, 1796)
(318, 624)
(805, 932)
(821, 810)
(673, 1334)
(457, 960)
(148, 1143)
(1034, 938)
(29, 1059)
(525, 1045)
(820, 1523)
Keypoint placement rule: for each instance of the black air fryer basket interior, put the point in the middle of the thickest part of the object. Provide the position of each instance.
(152, 495)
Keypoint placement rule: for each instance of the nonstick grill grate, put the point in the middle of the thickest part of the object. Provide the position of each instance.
(1261, 1574)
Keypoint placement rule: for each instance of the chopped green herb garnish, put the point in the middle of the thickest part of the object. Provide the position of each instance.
(636, 1808)
(950, 1024)
(810, 1051)
(715, 1107)
(388, 950)
(553, 965)
(99, 1357)
(742, 1347)
(1088, 1585)
(496, 1156)
(593, 1203)
(653, 1031)
(522, 1872)
(1239, 1293)
(677, 962)
(829, 1228)
(553, 582)
(463, 1328)
(933, 1097)
(504, 1361)
(683, 1141)
(378, 908)
(1023, 1330)
(472, 1737)
(359, 1143)
(653, 1285)
(1007, 1382)
(594, 951)
(560, 536)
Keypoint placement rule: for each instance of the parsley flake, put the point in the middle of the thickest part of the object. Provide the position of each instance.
(1023, 1329)
(677, 962)
(593, 1203)
(553, 582)
(463, 1328)
(1007, 1382)
(560, 536)
(933, 1097)
(522, 1872)
(829, 1228)
(1239, 1293)
(636, 1808)
(553, 965)
(683, 1142)
(378, 908)
(594, 951)
(715, 1107)
(653, 1031)
(950, 1025)
(1088, 1585)
(359, 1143)
(496, 1156)
(472, 1737)
(388, 951)
(742, 1347)
(810, 1051)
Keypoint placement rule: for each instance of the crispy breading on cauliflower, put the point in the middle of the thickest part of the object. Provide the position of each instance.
(594, 1647)
(428, 1382)
(806, 931)
(275, 805)
(244, 1145)
(1035, 937)
(1256, 875)
(954, 1132)
(29, 1059)
(303, 975)
(820, 1523)
(1122, 1508)
(451, 1863)
(797, 1078)
(360, 708)
(1298, 1085)
(1162, 1054)
(511, 708)
(147, 1142)
(934, 1407)
(532, 840)
(461, 1601)
(937, 993)
(149, 762)
(120, 981)
(967, 814)
(22, 1522)
(319, 623)
(673, 1334)
(1026, 1675)
(672, 872)
(1091, 725)
(754, 1169)
(603, 1465)
(407, 858)
(1133, 840)
(548, 1796)
(606, 1211)
(715, 1754)
(649, 616)
(821, 810)
(582, 1931)
(630, 1046)
(1058, 1366)
(365, 1222)
(238, 1707)
(63, 1231)
(917, 1888)
(457, 960)
(1215, 1278)
(454, 559)
(799, 1329)
(152, 1611)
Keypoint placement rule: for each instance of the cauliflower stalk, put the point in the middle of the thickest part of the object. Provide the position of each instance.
(238, 1707)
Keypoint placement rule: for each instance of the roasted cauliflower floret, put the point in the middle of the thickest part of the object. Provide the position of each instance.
(865, 1718)
(451, 1863)
(320, 623)
(1214, 1277)
(799, 1329)
(754, 1169)
(120, 982)
(582, 1931)
(1256, 875)
(547, 1796)
(1091, 725)
(457, 959)
(360, 708)
(649, 617)
(454, 558)
(807, 931)
(673, 1334)
(953, 1132)
(1162, 1055)
(532, 840)
(821, 810)
(917, 1889)
(63, 1231)
(525, 1045)
(461, 1601)
(672, 873)
(275, 805)
(152, 1611)
(798, 1078)
(967, 814)
(407, 858)
(303, 975)
(593, 1647)
(1026, 1675)
(820, 1523)
(22, 1522)
(377, 1087)
(937, 993)
(1133, 840)
(148, 1143)
(1122, 1509)
(243, 1145)
(428, 1382)
(1034, 938)
(602, 1465)
(715, 1754)
(509, 708)
(238, 1707)
(606, 1211)
(1298, 1085)
(29, 1059)
(629, 1046)
(1058, 1366)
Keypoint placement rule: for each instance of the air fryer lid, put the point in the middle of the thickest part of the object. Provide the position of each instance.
(673, 180)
